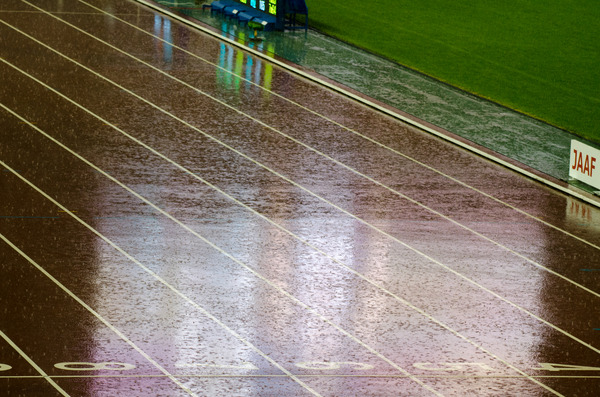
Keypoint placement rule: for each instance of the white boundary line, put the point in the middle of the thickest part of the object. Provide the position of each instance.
(281, 290)
(32, 363)
(156, 276)
(375, 376)
(373, 105)
(460, 275)
(352, 131)
(94, 313)
(531, 261)
(372, 180)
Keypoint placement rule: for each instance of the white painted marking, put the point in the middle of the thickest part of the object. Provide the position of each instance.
(86, 366)
(32, 363)
(452, 366)
(564, 367)
(243, 365)
(328, 365)
(5, 367)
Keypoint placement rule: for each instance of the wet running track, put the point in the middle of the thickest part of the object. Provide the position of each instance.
(179, 218)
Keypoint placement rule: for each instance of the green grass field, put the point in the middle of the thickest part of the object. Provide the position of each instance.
(540, 58)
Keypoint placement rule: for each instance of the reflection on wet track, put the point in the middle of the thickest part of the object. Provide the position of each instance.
(179, 217)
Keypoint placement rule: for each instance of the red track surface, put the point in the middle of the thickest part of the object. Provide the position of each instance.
(169, 228)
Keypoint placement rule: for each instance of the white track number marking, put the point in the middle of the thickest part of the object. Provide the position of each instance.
(243, 365)
(452, 366)
(564, 367)
(328, 366)
(83, 366)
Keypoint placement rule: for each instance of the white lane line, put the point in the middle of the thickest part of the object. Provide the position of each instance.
(32, 363)
(375, 376)
(96, 314)
(161, 280)
(337, 162)
(402, 301)
(352, 131)
(215, 247)
(370, 104)
(393, 238)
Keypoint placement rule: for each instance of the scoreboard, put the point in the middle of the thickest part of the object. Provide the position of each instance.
(275, 11)
(270, 7)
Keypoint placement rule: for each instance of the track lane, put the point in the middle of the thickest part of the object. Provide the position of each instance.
(533, 262)
(345, 109)
(51, 167)
(516, 289)
(577, 274)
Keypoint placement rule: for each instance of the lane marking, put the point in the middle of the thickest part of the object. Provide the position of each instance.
(31, 362)
(28, 217)
(401, 300)
(87, 366)
(330, 366)
(160, 280)
(352, 131)
(94, 313)
(565, 367)
(382, 232)
(243, 365)
(372, 180)
(247, 376)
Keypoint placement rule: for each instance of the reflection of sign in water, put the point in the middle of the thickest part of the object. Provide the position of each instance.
(237, 66)
(582, 215)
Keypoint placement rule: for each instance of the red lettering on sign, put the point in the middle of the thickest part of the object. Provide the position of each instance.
(580, 163)
(586, 165)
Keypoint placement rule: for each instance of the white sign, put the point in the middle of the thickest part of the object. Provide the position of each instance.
(585, 164)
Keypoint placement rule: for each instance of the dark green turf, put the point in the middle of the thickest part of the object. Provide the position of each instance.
(540, 58)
